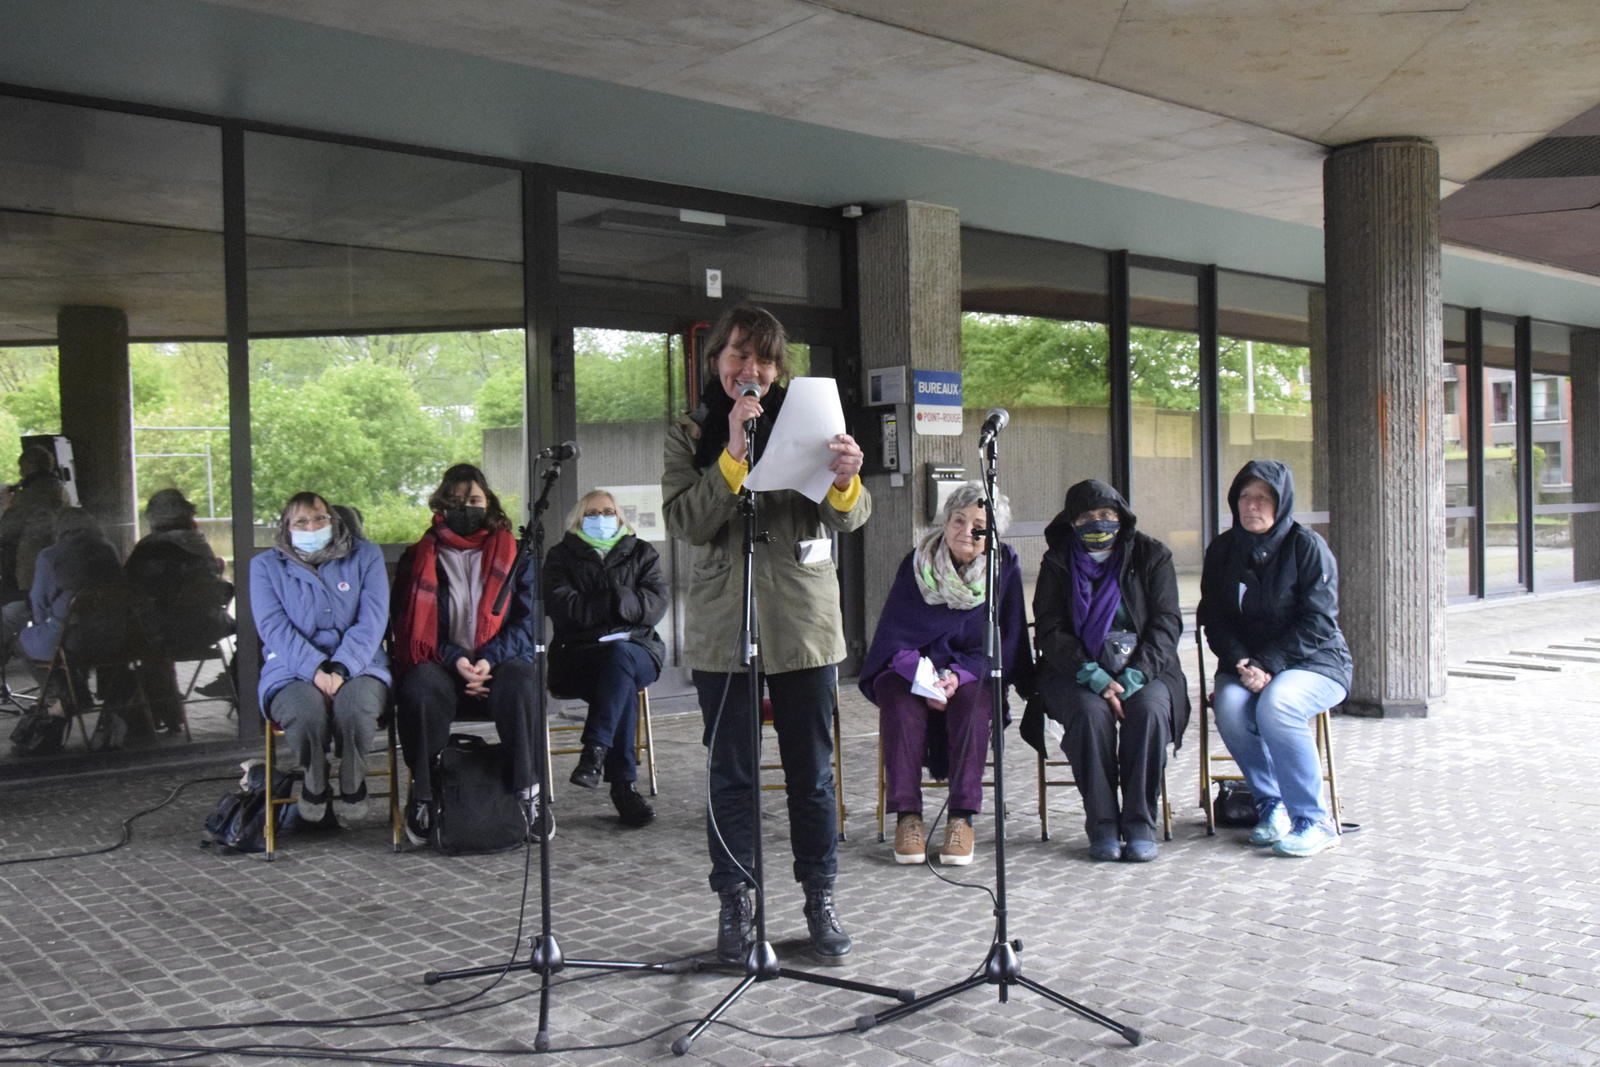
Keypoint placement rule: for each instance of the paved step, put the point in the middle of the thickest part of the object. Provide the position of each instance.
(1521, 665)
(1481, 672)
(1553, 653)
(1593, 650)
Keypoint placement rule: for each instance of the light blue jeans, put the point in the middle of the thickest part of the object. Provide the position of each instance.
(1271, 736)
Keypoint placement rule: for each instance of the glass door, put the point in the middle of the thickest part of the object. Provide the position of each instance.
(628, 387)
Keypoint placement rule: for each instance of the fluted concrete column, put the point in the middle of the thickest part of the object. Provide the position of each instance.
(1386, 406)
(1585, 459)
(1317, 328)
(97, 414)
(910, 292)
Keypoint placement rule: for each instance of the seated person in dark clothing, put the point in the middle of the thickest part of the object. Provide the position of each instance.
(80, 559)
(1106, 609)
(181, 596)
(27, 526)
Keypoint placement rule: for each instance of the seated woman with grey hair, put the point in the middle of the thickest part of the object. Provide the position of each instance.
(320, 598)
(1107, 620)
(935, 613)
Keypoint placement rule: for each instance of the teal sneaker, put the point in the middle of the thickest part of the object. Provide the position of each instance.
(1307, 838)
(1273, 825)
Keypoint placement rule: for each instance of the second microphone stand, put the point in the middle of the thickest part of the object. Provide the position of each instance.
(761, 961)
(545, 956)
(1002, 967)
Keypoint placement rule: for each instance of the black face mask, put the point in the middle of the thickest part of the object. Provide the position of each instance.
(463, 522)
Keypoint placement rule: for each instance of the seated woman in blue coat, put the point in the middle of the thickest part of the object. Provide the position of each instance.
(320, 599)
(455, 656)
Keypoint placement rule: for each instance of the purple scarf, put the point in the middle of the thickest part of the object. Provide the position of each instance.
(1096, 592)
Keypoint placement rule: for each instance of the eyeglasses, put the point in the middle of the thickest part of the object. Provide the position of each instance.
(609, 513)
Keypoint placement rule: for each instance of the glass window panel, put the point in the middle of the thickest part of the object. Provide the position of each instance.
(1460, 509)
(386, 310)
(1555, 490)
(1501, 506)
(606, 241)
(1164, 387)
(1267, 363)
(628, 387)
(111, 327)
(1034, 341)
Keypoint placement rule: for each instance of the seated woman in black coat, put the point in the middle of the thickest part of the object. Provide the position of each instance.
(604, 592)
(1106, 612)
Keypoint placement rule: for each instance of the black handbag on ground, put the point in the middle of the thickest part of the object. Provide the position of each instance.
(38, 733)
(239, 821)
(1235, 805)
(475, 808)
(1117, 650)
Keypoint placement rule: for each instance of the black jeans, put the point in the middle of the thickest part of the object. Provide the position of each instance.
(608, 676)
(802, 714)
(1106, 753)
(431, 696)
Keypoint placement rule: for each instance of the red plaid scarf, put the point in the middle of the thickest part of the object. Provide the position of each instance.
(418, 641)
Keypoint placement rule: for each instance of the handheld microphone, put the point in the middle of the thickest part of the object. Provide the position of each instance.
(998, 417)
(564, 451)
(750, 389)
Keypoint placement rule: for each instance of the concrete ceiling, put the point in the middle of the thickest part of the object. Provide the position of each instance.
(1230, 103)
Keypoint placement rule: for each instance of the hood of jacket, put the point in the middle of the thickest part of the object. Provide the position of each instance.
(1257, 548)
(1087, 495)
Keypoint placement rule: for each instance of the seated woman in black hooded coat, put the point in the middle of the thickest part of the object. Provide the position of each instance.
(1107, 619)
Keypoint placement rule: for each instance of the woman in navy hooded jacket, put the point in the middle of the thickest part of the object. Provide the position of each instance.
(320, 599)
(1269, 600)
(1101, 576)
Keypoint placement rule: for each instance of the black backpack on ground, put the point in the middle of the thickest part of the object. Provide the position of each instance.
(475, 807)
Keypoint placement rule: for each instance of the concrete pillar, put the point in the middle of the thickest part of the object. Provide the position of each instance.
(97, 414)
(1385, 333)
(1317, 328)
(910, 293)
(1585, 458)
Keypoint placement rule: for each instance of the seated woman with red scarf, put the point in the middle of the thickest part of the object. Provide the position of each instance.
(454, 658)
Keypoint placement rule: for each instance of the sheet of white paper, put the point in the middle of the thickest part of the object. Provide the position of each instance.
(926, 682)
(797, 454)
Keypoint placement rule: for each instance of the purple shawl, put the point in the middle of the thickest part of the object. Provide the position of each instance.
(1096, 592)
(948, 636)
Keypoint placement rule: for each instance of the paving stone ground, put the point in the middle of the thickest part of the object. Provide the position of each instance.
(1457, 926)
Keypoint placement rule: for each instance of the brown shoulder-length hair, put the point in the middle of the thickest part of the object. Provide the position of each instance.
(465, 474)
(760, 327)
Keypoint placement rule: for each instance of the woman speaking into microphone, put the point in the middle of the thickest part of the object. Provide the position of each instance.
(797, 599)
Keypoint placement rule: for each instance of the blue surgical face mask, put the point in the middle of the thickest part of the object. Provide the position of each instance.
(1097, 536)
(601, 527)
(309, 541)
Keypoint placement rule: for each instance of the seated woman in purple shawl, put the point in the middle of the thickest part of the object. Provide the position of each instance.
(1106, 614)
(935, 612)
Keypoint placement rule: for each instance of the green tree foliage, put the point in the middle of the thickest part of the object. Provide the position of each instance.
(500, 401)
(1013, 361)
(621, 376)
(1281, 376)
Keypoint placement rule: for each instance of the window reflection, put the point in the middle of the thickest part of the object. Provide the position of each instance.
(112, 366)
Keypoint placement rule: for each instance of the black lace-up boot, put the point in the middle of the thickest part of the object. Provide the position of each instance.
(736, 925)
(829, 943)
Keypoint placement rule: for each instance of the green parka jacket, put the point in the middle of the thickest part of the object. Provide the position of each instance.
(797, 604)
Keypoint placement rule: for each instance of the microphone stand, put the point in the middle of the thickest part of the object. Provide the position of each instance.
(545, 956)
(761, 962)
(1001, 967)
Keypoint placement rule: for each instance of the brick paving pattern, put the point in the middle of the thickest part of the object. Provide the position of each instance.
(1458, 926)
